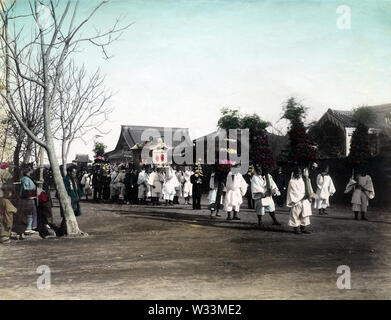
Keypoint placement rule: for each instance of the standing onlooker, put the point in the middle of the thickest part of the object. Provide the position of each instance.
(325, 189)
(28, 194)
(46, 227)
(97, 184)
(142, 186)
(73, 189)
(86, 183)
(119, 183)
(363, 190)
(7, 211)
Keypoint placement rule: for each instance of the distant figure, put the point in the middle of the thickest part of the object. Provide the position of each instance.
(155, 183)
(282, 183)
(97, 183)
(215, 202)
(142, 186)
(187, 186)
(86, 183)
(363, 190)
(170, 184)
(325, 189)
(196, 181)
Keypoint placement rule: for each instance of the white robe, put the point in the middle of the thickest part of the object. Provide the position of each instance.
(180, 179)
(154, 180)
(360, 197)
(259, 187)
(236, 189)
(171, 182)
(325, 189)
(300, 209)
(188, 186)
(142, 188)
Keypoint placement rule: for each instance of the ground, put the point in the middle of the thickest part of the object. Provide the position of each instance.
(143, 252)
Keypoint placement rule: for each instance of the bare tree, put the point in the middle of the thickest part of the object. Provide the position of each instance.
(82, 107)
(53, 44)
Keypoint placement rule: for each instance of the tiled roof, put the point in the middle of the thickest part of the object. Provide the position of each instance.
(132, 135)
(345, 117)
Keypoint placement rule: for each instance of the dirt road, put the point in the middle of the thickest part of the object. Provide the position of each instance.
(176, 253)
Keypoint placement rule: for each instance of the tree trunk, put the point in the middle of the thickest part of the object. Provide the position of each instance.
(28, 151)
(72, 227)
(17, 171)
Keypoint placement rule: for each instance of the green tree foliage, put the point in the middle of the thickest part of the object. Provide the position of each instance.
(302, 149)
(253, 123)
(99, 149)
(230, 119)
(359, 147)
(260, 151)
(364, 115)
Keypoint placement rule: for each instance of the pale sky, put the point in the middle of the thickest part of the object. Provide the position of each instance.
(183, 60)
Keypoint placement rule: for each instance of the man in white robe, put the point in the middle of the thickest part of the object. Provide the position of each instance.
(155, 183)
(236, 188)
(263, 188)
(325, 189)
(187, 185)
(142, 185)
(363, 190)
(299, 202)
(113, 190)
(171, 182)
(178, 189)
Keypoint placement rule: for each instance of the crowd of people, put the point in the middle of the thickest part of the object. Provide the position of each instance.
(170, 185)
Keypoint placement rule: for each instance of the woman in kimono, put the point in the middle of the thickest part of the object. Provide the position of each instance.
(28, 194)
(363, 190)
(325, 189)
(263, 188)
(236, 188)
(187, 186)
(299, 200)
(73, 189)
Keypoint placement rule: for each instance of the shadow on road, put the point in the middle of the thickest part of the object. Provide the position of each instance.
(196, 219)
